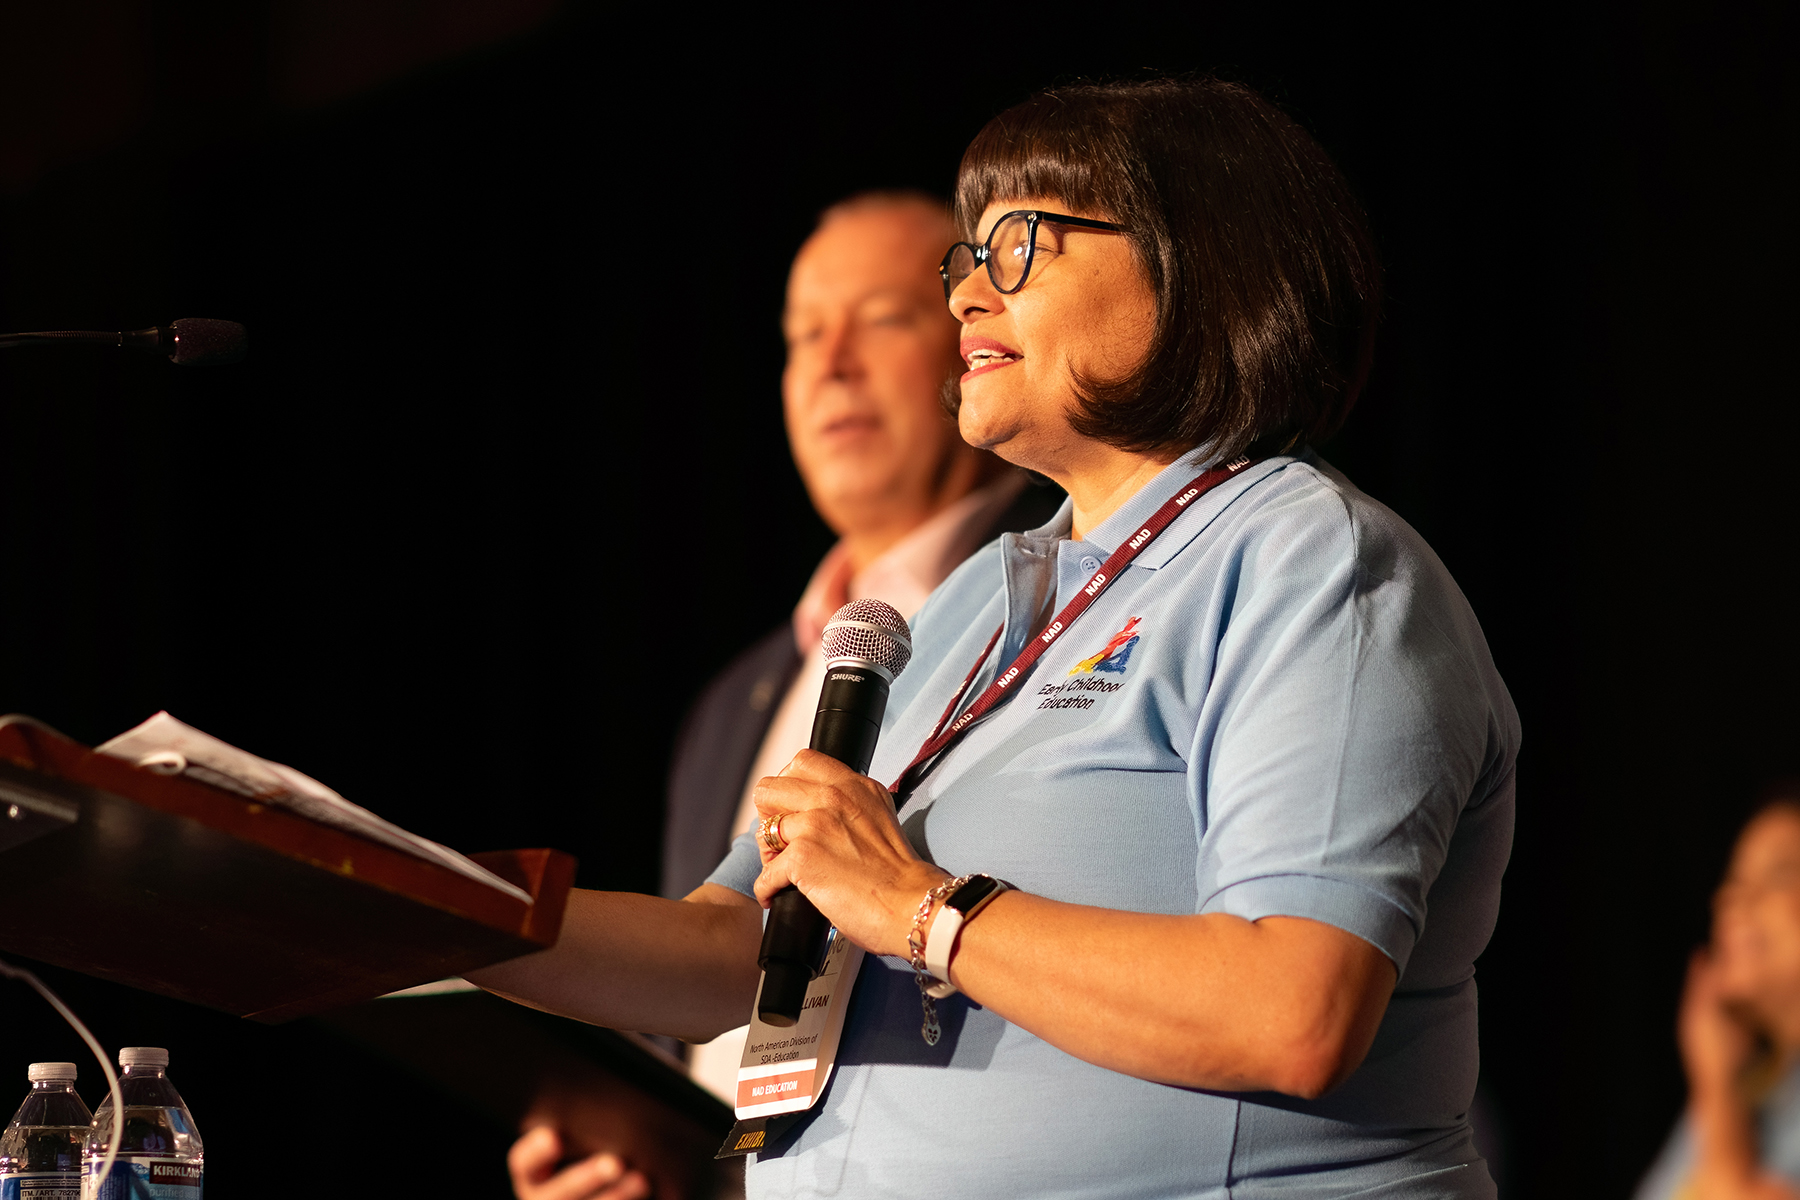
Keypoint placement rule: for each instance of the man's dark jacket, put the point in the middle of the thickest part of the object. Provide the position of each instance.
(724, 729)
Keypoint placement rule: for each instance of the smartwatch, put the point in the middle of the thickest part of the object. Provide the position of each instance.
(958, 910)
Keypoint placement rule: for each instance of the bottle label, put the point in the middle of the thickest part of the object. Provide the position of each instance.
(135, 1178)
(41, 1185)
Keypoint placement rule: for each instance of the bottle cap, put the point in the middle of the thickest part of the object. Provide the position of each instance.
(143, 1056)
(44, 1072)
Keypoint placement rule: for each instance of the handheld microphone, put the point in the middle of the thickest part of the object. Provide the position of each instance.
(866, 645)
(191, 341)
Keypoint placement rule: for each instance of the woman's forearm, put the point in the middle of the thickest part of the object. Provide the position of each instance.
(1282, 1004)
(1214, 1001)
(686, 968)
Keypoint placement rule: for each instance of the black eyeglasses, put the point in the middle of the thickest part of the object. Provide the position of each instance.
(1008, 250)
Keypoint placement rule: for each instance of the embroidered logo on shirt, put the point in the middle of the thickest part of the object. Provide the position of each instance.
(1111, 659)
(1083, 686)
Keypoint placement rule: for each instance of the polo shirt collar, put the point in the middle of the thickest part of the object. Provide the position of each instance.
(1032, 562)
(1028, 564)
(1106, 537)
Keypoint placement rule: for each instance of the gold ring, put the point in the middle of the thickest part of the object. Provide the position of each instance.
(768, 831)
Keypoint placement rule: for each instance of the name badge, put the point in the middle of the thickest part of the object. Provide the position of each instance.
(784, 1071)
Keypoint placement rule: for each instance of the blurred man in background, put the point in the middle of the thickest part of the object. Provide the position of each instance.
(1740, 1028)
(870, 345)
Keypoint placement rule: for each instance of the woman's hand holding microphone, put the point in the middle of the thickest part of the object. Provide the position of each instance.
(843, 848)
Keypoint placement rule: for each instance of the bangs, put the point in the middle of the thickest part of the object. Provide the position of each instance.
(1034, 150)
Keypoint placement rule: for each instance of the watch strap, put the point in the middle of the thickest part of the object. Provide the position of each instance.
(958, 910)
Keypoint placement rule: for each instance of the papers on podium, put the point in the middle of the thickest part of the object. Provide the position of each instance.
(168, 747)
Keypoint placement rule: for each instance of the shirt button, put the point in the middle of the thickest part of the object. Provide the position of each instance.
(1090, 563)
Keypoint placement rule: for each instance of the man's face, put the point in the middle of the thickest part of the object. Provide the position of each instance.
(869, 347)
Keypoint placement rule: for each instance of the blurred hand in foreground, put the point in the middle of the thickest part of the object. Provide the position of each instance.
(533, 1163)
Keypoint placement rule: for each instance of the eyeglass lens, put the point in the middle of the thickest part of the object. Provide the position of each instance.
(1009, 250)
(958, 266)
(1009, 253)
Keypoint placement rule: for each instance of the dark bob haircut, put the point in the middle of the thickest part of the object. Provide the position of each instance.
(1267, 286)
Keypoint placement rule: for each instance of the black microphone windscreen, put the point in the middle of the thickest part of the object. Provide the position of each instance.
(201, 341)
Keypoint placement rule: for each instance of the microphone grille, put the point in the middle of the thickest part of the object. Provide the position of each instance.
(869, 631)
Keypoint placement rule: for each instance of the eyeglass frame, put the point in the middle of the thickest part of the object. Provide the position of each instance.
(984, 255)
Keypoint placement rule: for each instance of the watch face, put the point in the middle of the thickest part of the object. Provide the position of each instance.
(973, 893)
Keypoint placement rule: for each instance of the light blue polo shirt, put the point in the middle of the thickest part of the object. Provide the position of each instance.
(1777, 1117)
(1284, 706)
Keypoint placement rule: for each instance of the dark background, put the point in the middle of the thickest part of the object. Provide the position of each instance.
(503, 478)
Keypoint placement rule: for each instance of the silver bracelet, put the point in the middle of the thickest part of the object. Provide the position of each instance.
(915, 944)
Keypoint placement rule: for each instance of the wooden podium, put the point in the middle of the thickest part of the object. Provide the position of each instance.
(166, 884)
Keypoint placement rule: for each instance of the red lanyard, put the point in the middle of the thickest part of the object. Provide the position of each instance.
(942, 736)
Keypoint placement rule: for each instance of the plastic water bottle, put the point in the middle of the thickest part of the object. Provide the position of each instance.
(160, 1156)
(40, 1152)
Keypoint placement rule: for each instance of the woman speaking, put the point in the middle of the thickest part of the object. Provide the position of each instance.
(1225, 727)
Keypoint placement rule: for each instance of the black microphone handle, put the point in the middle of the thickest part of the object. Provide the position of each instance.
(137, 339)
(797, 936)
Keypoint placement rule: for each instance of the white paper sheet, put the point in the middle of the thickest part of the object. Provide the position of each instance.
(166, 745)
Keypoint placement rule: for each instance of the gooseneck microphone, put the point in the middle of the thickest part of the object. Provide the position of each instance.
(191, 341)
(866, 645)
